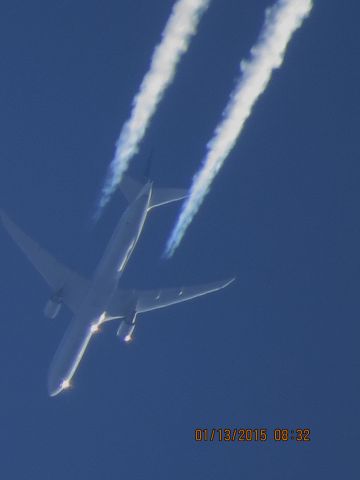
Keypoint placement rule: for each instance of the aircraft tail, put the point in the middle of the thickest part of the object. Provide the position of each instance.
(130, 187)
(160, 196)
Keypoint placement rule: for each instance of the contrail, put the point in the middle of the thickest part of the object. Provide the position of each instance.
(281, 21)
(180, 27)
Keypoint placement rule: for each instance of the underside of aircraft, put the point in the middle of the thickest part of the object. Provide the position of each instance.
(70, 288)
(98, 300)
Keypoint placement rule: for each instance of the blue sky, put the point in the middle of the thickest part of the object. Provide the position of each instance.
(277, 348)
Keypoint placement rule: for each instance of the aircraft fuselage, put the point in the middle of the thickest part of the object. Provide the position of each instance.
(93, 310)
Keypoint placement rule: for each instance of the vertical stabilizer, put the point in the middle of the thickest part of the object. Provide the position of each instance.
(130, 187)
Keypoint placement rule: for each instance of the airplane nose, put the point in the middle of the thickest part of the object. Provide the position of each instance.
(55, 385)
(54, 390)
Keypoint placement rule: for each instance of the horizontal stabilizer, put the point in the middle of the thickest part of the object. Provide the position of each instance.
(59, 277)
(130, 188)
(162, 196)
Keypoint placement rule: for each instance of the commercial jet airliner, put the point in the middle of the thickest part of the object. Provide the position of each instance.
(99, 300)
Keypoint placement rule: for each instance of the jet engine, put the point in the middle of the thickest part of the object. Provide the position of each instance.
(53, 305)
(126, 328)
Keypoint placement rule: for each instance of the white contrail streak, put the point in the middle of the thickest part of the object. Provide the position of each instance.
(281, 21)
(180, 27)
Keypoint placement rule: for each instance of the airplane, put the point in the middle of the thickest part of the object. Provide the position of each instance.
(96, 301)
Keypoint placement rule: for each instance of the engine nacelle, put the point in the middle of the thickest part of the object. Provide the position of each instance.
(53, 305)
(52, 309)
(126, 328)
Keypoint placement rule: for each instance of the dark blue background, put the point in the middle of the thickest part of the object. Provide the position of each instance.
(277, 348)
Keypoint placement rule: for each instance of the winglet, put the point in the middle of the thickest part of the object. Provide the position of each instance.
(228, 282)
(3, 215)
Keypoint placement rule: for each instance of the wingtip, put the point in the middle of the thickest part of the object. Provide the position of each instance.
(4, 219)
(229, 281)
(224, 283)
(2, 215)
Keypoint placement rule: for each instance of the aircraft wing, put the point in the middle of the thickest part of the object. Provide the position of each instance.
(59, 277)
(145, 300)
(153, 299)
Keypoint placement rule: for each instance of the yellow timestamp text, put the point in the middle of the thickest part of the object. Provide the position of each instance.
(252, 434)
